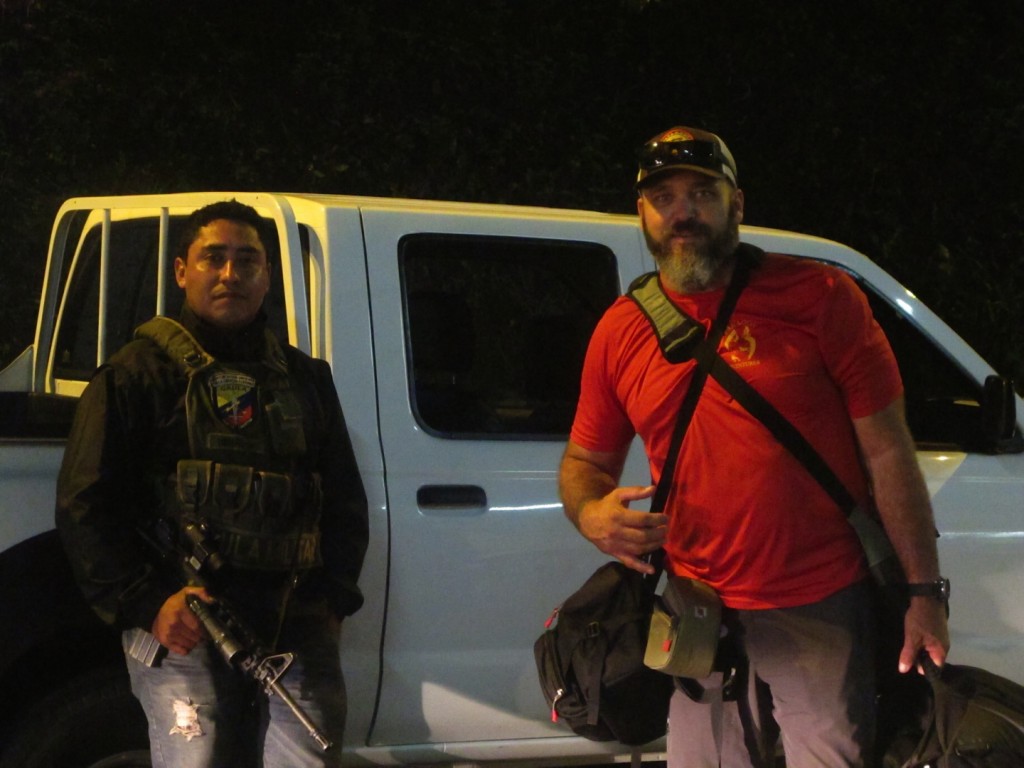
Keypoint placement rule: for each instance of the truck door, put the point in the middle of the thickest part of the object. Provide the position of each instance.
(480, 325)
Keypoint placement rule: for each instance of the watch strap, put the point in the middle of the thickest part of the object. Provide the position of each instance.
(938, 589)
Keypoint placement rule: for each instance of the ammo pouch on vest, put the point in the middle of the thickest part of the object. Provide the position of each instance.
(261, 520)
(685, 629)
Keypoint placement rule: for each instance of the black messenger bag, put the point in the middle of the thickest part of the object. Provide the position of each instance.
(591, 662)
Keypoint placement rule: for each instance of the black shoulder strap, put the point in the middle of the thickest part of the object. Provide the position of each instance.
(878, 550)
(686, 337)
(690, 339)
(183, 348)
(180, 345)
(783, 430)
(676, 341)
(679, 338)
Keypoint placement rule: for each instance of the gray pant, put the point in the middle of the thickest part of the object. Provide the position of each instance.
(811, 675)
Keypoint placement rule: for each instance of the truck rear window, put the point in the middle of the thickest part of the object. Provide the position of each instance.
(132, 292)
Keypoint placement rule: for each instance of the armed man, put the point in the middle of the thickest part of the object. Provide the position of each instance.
(209, 461)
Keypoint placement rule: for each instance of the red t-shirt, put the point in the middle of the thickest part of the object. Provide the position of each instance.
(746, 517)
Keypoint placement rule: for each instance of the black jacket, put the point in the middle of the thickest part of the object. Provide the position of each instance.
(128, 434)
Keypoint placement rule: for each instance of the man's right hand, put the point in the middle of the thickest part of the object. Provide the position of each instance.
(175, 626)
(624, 533)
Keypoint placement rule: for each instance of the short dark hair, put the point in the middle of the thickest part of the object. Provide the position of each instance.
(228, 210)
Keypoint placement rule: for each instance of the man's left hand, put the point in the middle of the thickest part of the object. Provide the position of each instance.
(924, 629)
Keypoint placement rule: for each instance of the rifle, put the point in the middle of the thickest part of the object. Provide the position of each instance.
(265, 669)
(228, 632)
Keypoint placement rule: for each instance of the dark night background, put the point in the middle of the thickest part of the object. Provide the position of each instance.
(893, 127)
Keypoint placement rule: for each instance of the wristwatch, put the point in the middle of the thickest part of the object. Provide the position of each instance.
(939, 589)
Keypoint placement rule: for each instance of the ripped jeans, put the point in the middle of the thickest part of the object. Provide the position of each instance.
(204, 714)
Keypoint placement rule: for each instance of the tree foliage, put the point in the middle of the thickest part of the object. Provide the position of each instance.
(893, 127)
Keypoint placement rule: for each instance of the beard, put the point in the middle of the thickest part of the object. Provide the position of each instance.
(700, 265)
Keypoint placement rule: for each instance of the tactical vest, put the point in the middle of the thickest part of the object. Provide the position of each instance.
(246, 440)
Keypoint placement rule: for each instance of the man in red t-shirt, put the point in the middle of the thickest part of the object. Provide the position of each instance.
(743, 515)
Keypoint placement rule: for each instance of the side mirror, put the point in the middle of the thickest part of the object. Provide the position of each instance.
(999, 432)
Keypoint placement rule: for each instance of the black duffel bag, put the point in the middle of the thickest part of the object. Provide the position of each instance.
(591, 660)
(971, 719)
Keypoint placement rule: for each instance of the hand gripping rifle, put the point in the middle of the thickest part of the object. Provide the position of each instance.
(229, 634)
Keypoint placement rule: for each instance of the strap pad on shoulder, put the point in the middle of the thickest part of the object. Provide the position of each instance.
(177, 342)
(678, 333)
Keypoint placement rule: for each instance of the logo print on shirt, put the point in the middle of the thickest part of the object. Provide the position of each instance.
(739, 346)
(234, 397)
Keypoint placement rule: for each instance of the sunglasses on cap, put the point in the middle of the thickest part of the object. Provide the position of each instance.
(659, 154)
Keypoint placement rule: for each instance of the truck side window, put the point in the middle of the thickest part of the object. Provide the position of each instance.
(131, 290)
(496, 330)
(943, 402)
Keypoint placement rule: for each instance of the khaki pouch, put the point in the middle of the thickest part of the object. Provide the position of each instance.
(685, 629)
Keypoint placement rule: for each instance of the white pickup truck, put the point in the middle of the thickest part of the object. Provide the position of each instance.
(456, 334)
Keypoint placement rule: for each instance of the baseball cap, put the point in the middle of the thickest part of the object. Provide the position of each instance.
(686, 148)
